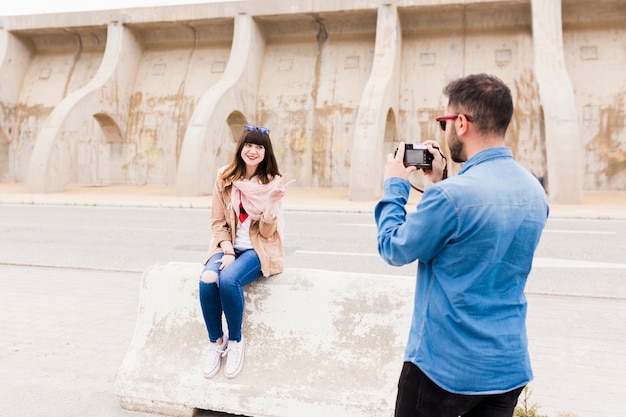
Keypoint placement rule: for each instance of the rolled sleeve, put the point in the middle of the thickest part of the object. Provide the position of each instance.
(404, 238)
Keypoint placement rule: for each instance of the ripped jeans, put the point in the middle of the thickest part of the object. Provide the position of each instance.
(226, 295)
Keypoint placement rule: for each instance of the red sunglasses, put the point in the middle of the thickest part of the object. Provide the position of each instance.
(443, 119)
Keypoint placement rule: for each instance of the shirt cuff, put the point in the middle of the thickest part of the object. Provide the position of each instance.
(396, 187)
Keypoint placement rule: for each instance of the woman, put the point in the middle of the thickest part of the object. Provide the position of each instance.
(246, 221)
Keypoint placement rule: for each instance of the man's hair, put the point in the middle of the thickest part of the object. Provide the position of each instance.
(485, 98)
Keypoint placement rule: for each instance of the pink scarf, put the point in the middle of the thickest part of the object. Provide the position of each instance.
(255, 197)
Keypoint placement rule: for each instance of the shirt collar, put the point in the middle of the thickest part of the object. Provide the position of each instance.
(485, 155)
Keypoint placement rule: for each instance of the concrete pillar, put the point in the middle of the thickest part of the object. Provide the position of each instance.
(563, 144)
(379, 96)
(222, 112)
(52, 161)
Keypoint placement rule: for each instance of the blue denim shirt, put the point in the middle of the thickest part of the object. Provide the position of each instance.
(474, 236)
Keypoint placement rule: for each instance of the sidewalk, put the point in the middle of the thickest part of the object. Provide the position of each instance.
(608, 204)
(64, 335)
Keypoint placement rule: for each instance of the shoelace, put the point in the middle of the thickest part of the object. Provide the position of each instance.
(219, 351)
(237, 351)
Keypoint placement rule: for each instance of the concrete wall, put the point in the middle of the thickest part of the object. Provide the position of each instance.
(159, 95)
(595, 54)
(447, 42)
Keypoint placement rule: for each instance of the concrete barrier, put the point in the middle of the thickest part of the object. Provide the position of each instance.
(318, 343)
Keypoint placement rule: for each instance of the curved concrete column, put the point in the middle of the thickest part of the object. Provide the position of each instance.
(51, 166)
(563, 144)
(14, 59)
(236, 92)
(379, 96)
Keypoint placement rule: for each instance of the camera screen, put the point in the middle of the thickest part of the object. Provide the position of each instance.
(414, 157)
(418, 156)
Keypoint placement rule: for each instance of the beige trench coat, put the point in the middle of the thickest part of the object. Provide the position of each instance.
(264, 236)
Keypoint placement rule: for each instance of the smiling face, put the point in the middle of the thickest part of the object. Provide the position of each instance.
(252, 155)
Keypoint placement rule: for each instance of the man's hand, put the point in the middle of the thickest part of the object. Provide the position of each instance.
(439, 163)
(395, 165)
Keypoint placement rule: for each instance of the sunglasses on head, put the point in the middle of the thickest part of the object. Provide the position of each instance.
(443, 119)
(259, 128)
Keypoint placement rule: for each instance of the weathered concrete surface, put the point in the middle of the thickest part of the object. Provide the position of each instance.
(563, 145)
(71, 147)
(157, 96)
(213, 131)
(594, 38)
(318, 343)
(376, 133)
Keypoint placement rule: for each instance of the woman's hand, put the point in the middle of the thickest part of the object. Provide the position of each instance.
(274, 198)
(226, 260)
(279, 189)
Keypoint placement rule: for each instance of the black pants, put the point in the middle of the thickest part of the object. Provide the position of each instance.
(418, 396)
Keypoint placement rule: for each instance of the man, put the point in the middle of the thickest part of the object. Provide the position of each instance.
(474, 236)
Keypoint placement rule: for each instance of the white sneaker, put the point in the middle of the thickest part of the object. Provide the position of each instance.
(214, 358)
(234, 358)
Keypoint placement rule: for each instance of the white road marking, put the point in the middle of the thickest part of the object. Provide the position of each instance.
(568, 263)
(324, 253)
(584, 232)
(537, 262)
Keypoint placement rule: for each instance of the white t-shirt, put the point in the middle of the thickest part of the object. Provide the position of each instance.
(242, 237)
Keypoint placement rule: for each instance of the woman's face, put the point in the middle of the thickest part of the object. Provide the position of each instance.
(252, 154)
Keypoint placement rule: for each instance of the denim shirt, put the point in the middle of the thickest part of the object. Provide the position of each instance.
(474, 236)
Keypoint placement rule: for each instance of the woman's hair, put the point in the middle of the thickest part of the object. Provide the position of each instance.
(267, 168)
(483, 97)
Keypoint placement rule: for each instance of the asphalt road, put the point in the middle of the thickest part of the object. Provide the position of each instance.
(131, 239)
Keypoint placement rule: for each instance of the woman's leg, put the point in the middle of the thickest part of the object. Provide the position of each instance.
(245, 269)
(210, 299)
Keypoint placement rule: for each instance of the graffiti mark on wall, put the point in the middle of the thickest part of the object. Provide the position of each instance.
(606, 151)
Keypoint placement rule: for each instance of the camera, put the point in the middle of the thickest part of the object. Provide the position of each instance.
(417, 156)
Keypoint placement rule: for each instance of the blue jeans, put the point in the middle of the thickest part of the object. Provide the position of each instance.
(226, 295)
(418, 396)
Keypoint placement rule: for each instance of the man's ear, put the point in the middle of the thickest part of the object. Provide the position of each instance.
(462, 125)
